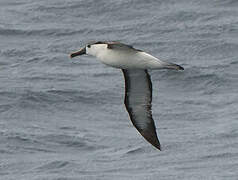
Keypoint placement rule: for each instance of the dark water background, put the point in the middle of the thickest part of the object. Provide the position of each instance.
(63, 119)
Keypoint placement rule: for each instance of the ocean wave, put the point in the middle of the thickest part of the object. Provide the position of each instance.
(65, 140)
(54, 165)
(221, 50)
(5, 107)
(54, 32)
(45, 99)
(228, 3)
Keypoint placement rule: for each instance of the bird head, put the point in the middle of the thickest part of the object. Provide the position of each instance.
(90, 49)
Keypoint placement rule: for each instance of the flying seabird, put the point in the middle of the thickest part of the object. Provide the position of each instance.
(138, 87)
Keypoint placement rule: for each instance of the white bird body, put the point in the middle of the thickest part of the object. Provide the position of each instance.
(125, 58)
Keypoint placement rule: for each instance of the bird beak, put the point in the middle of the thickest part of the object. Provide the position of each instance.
(78, 53)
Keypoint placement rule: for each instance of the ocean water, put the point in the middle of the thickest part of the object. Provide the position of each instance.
(64, 119)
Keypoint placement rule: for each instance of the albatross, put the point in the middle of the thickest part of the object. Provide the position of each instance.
(134, 64)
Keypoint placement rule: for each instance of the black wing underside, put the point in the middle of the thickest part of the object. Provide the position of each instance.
(138, 98)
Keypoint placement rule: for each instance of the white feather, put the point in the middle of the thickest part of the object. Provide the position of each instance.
(124, 58)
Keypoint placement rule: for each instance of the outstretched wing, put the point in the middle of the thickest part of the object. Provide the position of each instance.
(138, 98)
(120, 46)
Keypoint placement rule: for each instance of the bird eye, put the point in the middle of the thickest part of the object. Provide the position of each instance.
(88, 46)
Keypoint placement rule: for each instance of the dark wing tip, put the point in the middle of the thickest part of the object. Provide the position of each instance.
(152, 138)
(157, 145)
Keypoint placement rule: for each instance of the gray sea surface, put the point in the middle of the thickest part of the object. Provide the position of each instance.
(64, 119)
